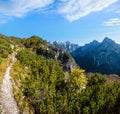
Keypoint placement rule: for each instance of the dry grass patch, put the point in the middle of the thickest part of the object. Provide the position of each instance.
(3, 67)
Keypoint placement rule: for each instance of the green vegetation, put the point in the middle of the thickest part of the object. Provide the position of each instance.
(7, 45)
(41, 47)
(42, 87)
(101, 96)
(34, 42)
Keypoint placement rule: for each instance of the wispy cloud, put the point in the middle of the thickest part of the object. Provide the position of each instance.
(4, 19)
(18, 8)
(113, 22)
(70, 9)
(75, 9)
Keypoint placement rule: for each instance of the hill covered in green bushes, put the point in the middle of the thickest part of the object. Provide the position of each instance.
(46, 80)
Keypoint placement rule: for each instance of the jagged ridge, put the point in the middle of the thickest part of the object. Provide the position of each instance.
(101, 57)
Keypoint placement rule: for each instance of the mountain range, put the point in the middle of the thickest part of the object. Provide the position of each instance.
(103, 57)
(66, 46)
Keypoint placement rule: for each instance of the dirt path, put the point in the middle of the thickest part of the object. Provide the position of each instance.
(9, 105)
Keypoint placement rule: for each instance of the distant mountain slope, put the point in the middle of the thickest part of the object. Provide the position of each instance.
(67, 46)
(101, 57)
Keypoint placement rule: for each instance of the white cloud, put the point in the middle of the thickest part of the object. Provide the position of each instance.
(70, 9)
(75, 9)
(113, 22)
(18, 8)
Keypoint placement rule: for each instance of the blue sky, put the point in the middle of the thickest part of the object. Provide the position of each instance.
(78, 21)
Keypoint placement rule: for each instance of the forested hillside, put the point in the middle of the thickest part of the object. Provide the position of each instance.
(46, 80)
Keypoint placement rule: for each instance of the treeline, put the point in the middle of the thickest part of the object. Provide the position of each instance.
(46, 89)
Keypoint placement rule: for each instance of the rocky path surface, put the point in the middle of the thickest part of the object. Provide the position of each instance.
(9, 105)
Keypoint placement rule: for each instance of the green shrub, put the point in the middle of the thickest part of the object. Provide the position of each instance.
(5, 55)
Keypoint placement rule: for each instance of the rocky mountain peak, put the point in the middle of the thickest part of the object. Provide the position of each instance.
(101, 57)
(94, 42)
(108, 41)
(66, 46)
